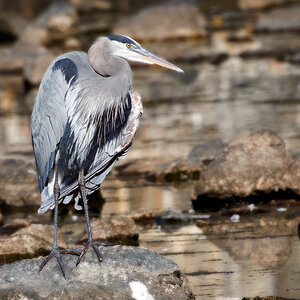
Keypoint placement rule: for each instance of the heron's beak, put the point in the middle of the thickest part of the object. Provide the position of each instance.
(151, 58)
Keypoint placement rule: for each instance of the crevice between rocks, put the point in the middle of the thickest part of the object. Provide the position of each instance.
(215, 203)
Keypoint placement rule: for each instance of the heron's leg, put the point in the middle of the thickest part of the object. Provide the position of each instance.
(90, 242)
(55, 252)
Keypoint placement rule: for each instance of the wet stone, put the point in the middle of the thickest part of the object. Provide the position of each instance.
(173, 216)
(28, 242)
(92, 5)
(143, 216)
(280, 19)
(206, 151)
(247, 165)
(18, 183)
(259, 4)
(36, 66)
(137, 168)
(177, 170)
(265, 298)
(52, 27)
(28, 9)
(170, 20)
(124, 273)
(114, 229)
(13, 226)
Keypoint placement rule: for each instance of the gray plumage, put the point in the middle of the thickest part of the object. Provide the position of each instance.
(78, 121)
(84, 119)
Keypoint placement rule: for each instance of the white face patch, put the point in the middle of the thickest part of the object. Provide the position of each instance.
(119, 49)
(140, 291)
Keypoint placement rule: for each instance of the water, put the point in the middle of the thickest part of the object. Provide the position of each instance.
(257, 256)
(174, 128)
(238, 264)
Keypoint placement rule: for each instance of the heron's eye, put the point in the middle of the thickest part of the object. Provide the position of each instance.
(128, 45)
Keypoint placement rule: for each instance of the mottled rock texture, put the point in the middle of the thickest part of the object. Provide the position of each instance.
(124, 272)
(249, 165)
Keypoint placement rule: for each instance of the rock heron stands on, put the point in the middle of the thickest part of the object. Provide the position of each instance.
(84, 119)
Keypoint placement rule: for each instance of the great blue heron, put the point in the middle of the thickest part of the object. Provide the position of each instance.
(84, 119)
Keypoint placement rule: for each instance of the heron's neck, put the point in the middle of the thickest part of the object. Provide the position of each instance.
(106, 64)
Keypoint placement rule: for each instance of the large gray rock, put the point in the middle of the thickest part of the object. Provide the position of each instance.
(28, 242)
(36, 65)
(247, 165)
(235, 79)
(19, 64)
(89, 6)
(280, 19)
(24, 8)
(57, 23)
(206, 151)
(114, 229)
(259, 4)
(169, 20)
(177, 170)
(18, 183)
(125, 273)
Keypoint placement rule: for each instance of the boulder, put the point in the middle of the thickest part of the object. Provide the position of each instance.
(24, 8)
(92, 5)
(21, 64)
(7, 32)
(280, 19)
(125, 273)
(206, 152)
(57, 23)
(36, 66)
(18, 183)
(114, 229)
(14, 224)
(143, 216)
(177, 170)
(169, 20)
(138, 167)
(31, 241)
(247, 165)
(181, 169)
(259, 4)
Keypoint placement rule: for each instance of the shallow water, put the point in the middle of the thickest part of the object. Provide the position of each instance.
(174, 128)
(257, 256)
(220, 263)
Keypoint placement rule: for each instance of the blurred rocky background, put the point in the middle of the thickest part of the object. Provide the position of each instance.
(214, 169)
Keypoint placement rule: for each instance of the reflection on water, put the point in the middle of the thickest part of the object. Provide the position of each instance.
(123, 198)
(218, 263)
(174, 128)
(224, 265)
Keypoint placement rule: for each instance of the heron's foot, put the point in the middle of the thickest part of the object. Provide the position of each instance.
(94, 245)
(56, 252)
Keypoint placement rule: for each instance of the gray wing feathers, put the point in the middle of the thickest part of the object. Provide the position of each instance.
(72, 102)
(105, 157)
(48, 121)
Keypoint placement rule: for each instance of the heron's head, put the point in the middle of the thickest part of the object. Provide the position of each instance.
(127, 48)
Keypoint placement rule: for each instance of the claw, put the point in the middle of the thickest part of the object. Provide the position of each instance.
(94, 245)
(55, 252)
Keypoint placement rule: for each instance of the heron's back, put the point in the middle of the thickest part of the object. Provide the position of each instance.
(77, 123)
